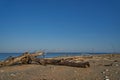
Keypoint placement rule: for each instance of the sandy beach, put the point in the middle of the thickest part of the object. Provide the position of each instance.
(102, 67)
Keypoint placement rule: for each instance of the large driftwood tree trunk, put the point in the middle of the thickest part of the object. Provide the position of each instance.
(24, 58)
(28, 58)
(64, 62)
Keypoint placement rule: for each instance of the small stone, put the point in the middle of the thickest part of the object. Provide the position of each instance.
(116, 65)
(12, 75)
(107, 70)
(103, 72)
(107, 79)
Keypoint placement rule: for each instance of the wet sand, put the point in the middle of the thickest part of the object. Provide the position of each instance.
(102, 67)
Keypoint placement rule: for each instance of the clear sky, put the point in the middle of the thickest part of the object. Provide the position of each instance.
(60, 25)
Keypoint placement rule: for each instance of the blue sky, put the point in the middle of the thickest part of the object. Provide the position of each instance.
(60, 25)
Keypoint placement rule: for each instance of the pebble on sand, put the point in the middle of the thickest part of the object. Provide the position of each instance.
(116, 65)
(103, 72)
(107, 70)
(12, 75)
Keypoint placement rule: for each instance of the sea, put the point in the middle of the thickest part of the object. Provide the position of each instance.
(3, 56)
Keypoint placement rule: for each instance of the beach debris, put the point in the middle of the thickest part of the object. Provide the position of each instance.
(64, 62)
(25, 58)
(29, 58)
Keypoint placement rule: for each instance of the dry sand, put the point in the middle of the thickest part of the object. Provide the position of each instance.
(103, 67)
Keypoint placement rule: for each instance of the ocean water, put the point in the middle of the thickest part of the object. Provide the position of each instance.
(47, 55)
(6, 55)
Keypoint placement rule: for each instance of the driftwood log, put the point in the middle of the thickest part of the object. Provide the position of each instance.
(25, 58)
(63, 62)
(28, 58)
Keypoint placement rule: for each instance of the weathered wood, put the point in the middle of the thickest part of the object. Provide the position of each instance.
(25, 58)
(63, 62)
(28, 58)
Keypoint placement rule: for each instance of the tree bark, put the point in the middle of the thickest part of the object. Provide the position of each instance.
(25, 58)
